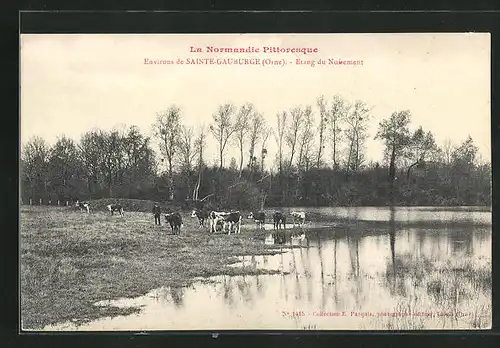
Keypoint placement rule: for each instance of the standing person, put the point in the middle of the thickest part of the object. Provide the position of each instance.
(157, 214)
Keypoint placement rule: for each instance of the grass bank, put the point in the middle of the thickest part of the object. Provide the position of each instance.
(70, 260)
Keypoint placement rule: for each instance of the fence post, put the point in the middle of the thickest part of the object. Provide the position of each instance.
(40, 201)
(58, 202)
(31, 201)
(66, 203)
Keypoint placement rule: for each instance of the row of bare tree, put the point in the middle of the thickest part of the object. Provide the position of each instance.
(122, 163)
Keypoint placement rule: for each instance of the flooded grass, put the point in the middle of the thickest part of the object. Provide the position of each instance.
(70, 260)
(456, 293)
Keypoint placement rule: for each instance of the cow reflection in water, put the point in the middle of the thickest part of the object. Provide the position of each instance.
(281, 237)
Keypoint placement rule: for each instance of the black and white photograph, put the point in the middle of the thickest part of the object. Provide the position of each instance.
(255, 182)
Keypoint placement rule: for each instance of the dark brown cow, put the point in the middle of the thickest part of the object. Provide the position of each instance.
(202, 215)
(259, 218)
(175, 221)
(279, 219)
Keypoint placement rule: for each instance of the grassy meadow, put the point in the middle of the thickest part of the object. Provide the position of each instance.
(70, 260)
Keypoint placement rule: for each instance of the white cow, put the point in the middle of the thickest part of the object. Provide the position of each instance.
(83, 206)
(299, 217)
(227, 219)
(115, 207)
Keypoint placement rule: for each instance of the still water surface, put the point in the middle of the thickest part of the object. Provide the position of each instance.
(368, 282)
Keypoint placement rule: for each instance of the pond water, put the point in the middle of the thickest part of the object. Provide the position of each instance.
(429, 277)
(407, 214)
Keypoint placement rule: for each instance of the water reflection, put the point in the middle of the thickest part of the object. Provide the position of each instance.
(392, 242)
(177, 294)
(335, 292)
(442, 269)
(228, 290)
(320, 255)
(462, 240)
(403, 214)
(244, 288)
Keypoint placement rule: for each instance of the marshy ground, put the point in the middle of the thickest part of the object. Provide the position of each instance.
(70, 260)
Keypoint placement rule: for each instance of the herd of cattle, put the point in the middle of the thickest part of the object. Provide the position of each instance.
(232, 220)
(218, 220)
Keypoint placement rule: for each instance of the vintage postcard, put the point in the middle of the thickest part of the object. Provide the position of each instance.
(255, 182)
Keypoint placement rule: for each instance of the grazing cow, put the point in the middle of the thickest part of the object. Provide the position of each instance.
(279, 219)
(279, 222)
(228, 219)
(83, 206)
(233, 218)
(175, 221)
(115, 207)
(215, 217)
(202, 215)
(299, 217)
(259, 218)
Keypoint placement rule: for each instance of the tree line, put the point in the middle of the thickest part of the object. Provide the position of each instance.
(319, 162)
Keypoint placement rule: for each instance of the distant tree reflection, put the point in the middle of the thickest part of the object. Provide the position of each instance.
(177, 295)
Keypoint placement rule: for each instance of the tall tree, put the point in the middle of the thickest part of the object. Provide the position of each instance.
(306, 138)
(292, 132)
(421, 146)
(280, 136)
(257, 127)
(464, 167)
(223, 128)
(323, 121)
(396, 136)
(64, 166)
(357, 120)
(263, 154)
(167, 130)
(199, 144)
(34, 164)
(139, 155)
(263, 150)
(338, 111)
(112, 146)
(91, 149)
(447, 151)
(139, 163)
(242, 128)
(103, 155)
(465, 154)
(187, 148)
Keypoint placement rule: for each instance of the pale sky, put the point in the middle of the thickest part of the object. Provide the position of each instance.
(72, 83)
